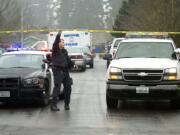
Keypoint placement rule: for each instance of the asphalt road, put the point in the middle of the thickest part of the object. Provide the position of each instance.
(89, 115)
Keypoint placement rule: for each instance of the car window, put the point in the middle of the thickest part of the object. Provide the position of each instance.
(21, 60)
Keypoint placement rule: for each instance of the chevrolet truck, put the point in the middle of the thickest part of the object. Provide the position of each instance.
(144, 69)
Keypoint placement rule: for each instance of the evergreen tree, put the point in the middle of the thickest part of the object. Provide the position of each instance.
(9, 15)
(148, 15)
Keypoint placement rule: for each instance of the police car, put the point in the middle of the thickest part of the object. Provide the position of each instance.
(25, 75)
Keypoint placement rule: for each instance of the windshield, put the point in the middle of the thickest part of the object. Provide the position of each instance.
(144, 50)
(21, 61)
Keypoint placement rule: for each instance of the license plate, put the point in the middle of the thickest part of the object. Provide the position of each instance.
(4, 93)
(142, 89)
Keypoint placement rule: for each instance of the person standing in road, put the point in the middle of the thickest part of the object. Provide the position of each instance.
(61, 63)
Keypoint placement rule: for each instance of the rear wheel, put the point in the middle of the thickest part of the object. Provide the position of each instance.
(175, 103)
(84, 68)
(91, 65)
(111, 102)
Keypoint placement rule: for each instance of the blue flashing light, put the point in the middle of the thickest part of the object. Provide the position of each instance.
(17, 46)
(17, 49)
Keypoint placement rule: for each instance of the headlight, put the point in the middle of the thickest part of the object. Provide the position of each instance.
(33, 81)
(171, 71)
(115, 73)
(114, 70)
(170, 74)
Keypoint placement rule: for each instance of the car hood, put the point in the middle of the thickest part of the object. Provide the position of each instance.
(158, 63)
(20, 72)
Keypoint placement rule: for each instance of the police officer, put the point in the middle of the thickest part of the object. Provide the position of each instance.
(61, 64)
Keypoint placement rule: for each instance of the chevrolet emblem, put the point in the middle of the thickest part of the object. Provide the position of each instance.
(142, 74)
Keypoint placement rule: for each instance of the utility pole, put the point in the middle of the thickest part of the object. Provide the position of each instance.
(22, 22)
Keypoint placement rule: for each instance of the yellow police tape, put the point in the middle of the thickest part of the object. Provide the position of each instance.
(82, 30)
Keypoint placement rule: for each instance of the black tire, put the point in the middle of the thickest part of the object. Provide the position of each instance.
(175, 103)
(111, 102)
(91, 65)
(83, 68)
(44, 101)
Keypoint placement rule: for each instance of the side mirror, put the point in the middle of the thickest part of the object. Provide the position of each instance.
(107, 56)
(177, 50)
(176, 53)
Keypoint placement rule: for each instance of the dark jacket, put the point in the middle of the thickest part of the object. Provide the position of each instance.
(62, 60)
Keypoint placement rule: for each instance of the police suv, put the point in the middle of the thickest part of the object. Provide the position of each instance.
(25, 75)
(144, 69)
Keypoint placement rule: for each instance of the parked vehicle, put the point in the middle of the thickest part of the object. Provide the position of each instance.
(113, 48)
(41, 46)
(77, 56)
(144, 69)
(72, 38)
(89, 58)
(25, 76)
(2, 50)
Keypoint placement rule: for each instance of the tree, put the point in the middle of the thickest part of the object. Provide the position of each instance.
(9, 15)
(148, 15)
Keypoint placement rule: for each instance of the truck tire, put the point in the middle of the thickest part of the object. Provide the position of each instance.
(175, 103)
(111, 102)
(91, 65)
(83, 68)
